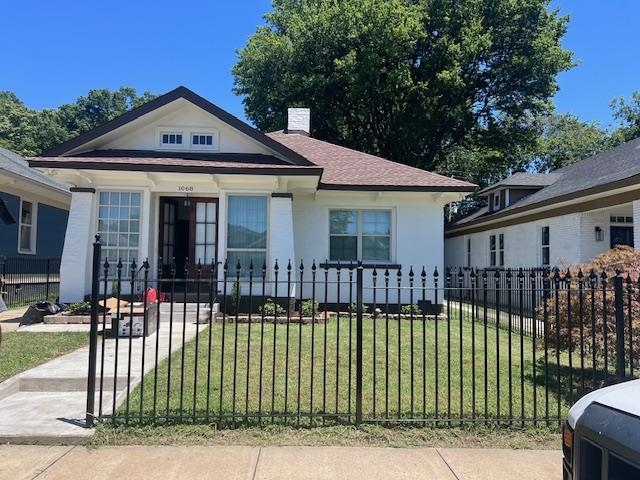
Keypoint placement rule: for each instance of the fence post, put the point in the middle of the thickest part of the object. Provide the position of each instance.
(48, 277)
(619, 306)
(359, 308)
(93, 334)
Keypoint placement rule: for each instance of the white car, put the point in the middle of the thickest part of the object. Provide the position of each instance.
(601, 438)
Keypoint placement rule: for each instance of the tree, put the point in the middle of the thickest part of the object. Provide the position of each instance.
(413, 81)
(627, 113)
(29, 132)
(565, 140)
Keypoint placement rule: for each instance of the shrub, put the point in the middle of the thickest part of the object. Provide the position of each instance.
(598, 318)
(80, 308)
(411, 309)
(271, 308)
(235, 297)
(353, 308)
(309, 307)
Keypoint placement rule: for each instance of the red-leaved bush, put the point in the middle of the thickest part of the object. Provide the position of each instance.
(581, 309)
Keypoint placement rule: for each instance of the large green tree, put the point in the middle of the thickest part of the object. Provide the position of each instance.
(565, 140)
(627, 113)
(29, 132)
(415, 81)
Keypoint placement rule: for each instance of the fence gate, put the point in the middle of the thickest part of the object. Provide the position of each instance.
(320, 344)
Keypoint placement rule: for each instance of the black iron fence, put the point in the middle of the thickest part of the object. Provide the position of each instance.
(26, 280)
(349, 344)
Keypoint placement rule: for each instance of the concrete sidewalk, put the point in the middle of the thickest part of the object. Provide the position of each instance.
(267, 463)
(47, 404)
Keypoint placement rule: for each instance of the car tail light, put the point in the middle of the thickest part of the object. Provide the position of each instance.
(567, 442)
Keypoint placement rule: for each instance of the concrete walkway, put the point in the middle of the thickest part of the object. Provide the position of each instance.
(271, 463)
(47, 404)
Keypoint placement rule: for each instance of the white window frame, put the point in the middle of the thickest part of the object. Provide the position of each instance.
(215, 146)
(232, 268)
(496, 254)
(160, 131)
(359, 234)
(34, 227)
(141, 234)
(544, 246)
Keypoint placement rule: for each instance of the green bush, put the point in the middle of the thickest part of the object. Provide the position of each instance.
(235, 297)
(271, 308)
(353, 308)
(309, 307)
(411, 309)
(80, 308)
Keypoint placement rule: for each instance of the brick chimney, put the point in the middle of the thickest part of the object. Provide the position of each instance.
(299, 121)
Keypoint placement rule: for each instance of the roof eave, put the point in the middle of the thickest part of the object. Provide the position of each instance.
(397, 188)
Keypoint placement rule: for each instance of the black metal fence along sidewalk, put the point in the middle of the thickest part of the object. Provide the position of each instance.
(349, 344)
(27, 280)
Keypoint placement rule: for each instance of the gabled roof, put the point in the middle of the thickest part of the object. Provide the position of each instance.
(347, 169)
(173, 95)
(609, 170)
(16, 165)
(338, 168)
(523, 180)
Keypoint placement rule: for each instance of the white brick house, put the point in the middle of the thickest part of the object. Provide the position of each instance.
(180, 178)
(561, 218)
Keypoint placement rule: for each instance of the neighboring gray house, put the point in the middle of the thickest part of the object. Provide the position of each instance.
(33, 210)
(560, 218)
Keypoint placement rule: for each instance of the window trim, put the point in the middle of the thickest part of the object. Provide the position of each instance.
(160, 131)
(34, 227)
(546, 246)
(215, 141)
(359, 235)
(227, 210)
(496, 254)
(141, 233)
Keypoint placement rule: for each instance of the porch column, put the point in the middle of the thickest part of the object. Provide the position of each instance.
(281, 246)
(75, 275)
(636, 224)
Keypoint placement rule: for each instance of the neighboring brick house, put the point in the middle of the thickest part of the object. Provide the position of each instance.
(560, 218)
(33, 210)
(179, 177)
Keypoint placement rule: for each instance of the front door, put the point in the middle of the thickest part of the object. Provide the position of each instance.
(203, 222)
(621, 236)
(188, 234)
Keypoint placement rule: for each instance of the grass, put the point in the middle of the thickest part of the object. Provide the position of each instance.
(20, 351)
(341, 435)
(317, 375)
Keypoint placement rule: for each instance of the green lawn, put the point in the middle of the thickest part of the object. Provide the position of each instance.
(20, 351)
(414, 390)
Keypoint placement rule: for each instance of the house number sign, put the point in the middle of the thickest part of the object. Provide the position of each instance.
(185, 188)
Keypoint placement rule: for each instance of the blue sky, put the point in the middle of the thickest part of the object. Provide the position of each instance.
(52, 52)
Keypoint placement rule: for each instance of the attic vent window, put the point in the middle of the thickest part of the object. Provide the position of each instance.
(202, 140)
(171, 139)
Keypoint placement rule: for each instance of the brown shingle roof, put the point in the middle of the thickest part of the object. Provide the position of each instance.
(344, 168)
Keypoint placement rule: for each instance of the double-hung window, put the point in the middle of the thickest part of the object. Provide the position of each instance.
(246, 233)
(360, 235)
(496, 250)
(119, 226)
(544, 242)
(27, 230)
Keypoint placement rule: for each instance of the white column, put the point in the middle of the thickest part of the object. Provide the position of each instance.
(636, 224)
(281, 245)
(75, 275)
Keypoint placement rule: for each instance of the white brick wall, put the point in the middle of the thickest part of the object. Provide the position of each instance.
(75, 269)
(572, 240)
